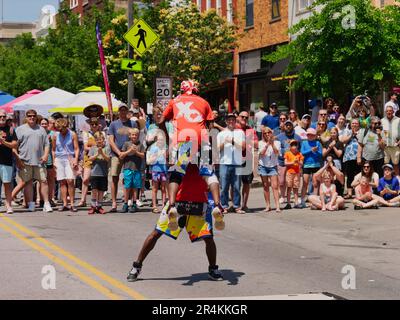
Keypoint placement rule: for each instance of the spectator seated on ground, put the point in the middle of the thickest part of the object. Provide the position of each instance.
(337, 179)
(368, 172)
(389, 185)
(365, 198)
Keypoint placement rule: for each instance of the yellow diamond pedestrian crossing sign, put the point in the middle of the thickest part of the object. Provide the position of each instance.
(141, 37)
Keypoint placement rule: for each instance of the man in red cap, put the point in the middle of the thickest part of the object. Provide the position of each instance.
(190, 114)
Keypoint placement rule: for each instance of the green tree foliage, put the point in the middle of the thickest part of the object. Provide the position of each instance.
(339, 52)
(191, 45)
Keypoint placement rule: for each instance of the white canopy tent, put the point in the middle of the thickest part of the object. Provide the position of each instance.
(44, 101)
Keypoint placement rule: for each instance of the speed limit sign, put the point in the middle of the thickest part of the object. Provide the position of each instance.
(163, 91)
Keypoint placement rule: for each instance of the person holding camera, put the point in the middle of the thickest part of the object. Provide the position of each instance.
(361, 102)
(372, 145)
(391, 131)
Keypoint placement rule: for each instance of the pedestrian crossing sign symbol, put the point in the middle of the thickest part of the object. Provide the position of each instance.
(141, 37)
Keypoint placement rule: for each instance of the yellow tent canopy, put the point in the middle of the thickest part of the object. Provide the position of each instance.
(88, 96)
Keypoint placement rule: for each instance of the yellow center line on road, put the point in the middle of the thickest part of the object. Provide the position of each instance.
(88, 280)
(114, 282)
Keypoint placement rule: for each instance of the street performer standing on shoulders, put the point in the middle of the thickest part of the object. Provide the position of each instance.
(189, 114)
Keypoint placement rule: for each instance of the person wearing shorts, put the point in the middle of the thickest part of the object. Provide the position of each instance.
(117, 136)
(269, 150)
(156, 157)
(132, 155)
(293, 161)
(33, 153)
(195, 210)
(311, 149)
(99, 157)
(66, 156)
(391, 135)
(8, 141)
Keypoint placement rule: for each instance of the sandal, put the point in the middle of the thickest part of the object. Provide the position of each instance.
(113, 210)
(73, 209)
(240, 211)
(63, 208)
(155, 210)
(81, 205)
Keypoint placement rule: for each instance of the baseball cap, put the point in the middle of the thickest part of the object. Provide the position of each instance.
(311, 131)
(388, 165)
(273, 104)
(230, 115)
(288, 122)
(122, 105)
(306, 116)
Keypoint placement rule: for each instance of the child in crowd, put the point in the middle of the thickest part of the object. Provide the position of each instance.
(99, 156)
(157, 160)
(132, 155)
(293, 162)
(388, 187)
(365, 197)
(327, 193)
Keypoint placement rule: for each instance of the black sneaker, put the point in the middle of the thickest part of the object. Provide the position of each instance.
(287, 207)
(134, 273)
(357, 207)
(133, 209)
(215, 274)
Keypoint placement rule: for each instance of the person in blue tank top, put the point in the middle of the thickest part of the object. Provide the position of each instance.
(66, 155)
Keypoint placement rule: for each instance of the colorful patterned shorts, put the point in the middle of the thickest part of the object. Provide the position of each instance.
(197, 226)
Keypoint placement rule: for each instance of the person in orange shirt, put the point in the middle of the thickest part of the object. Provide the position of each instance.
(293, 162)
(190, 115)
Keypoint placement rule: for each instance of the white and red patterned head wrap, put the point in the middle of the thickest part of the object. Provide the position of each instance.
(189, 86)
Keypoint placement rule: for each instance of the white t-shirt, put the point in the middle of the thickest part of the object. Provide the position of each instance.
(258, 117)
(270, 159)
(231, 154)
(300, 132)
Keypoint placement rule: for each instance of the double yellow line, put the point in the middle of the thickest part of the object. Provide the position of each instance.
(22, 234)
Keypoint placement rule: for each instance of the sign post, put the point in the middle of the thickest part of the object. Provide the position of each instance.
(163, 91)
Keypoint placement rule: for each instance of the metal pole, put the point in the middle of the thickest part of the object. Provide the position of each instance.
(131, 85)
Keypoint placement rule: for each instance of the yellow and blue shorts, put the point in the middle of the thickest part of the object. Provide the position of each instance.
(198, 227)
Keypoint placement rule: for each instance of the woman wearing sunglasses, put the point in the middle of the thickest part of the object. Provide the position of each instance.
(88, 142)
(368, 172)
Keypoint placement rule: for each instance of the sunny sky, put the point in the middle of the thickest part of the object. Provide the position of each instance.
(23, 10)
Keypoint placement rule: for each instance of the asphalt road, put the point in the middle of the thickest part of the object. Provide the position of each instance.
(261, 255)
